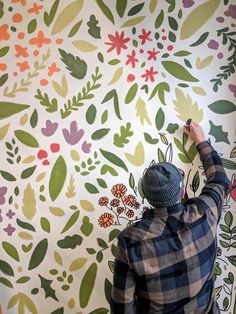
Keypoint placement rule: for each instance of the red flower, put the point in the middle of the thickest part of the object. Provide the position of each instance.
(132, 59)
(130, 213)
(115, 202)
(120, 210)
(149, 74)
(117, 42)
(233, 191)
(152, 54)
(119, 190)
(106, 220)
(144, 36)
(129, 200)
(103, 201)
(40, 40)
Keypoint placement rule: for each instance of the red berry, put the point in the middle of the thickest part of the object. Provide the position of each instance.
(170, 47)
(55, 147)
(42, 154)
(164, 37)
(130, 78)
(46, 162)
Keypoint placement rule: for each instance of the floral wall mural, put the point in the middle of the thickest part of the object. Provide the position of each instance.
(93, 92)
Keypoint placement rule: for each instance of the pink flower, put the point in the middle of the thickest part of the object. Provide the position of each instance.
(144, 36)
(131, 59)
(149, 74)
(118, 42)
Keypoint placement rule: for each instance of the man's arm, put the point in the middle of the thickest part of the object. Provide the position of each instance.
(122, 299)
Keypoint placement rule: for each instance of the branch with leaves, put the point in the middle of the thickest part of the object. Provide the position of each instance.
(186, 155)
(51, 106)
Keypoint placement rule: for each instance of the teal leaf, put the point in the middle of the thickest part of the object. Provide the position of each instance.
(38, 254)
(178, 71)
(160, 119)
(222, 106)
(113, 159)
(218, 133)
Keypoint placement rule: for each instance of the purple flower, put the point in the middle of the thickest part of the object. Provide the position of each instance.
(231, 11)
(10, 214)
(73, 136)
(86, 147)
(220, 55)
(220, 19)
(232, 88)
(3, 191)
(219, 251)
(187, 3)
(9, 229)
(50, 128)
(213, 44)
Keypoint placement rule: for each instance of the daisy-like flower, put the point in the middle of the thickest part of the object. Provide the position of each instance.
(119, 190)
(120, 210)
(145, 36)
(149, 75)
(115, 202)
(103, 201)
(131, 59)
(129, 200)
(106, 220)
(130, 213)
(118, 42)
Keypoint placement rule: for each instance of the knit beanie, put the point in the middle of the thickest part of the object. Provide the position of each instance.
(162, 184)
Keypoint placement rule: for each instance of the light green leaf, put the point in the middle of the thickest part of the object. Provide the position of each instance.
(152, 5)
(72, 220)
(58, 258)
(199, 90)
(141, 111)
(29, 202)
(77, 264)
(61, 89)
(56, 211)
(3, 131)
(200, 64)
(84, 46)
(133, 21)
(178, 71)
(116, 76)
(136, 159)
(87, 205)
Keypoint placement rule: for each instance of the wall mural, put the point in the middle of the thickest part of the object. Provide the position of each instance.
(93, 92)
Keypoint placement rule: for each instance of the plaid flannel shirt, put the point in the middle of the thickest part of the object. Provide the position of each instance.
(165, 262)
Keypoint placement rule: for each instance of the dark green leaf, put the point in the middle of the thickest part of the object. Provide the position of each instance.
(195, 182)
(120, 7)
(90, 251)
(101, 310)
(114, 234)
(25, 225)
(6, 282)
(48, 17)
(159, 19)
(7, 176)
(114, 159)
(188, 63)
(91, 188)
(173, 23)
(114, 61)
(172, 37)
(131, 181)
(94, 30)
(38, 254)
(201, 39)
(102, 243)
(107, 288)
(4, 51)
(91, 114)
(46, 286)
(72, 220)
(137, 8)
(34, 118)
(23, 279)
(232, 259)
(172, 127)
(28, 172)
(224, 244)
(32, 26)
(149, 139)
(224, 228)
(3, 79)
(75, 29)
(113, 94)
(99, 256)
(98, 134)
(100, 57)
(160, 119)
(229, 164)
(70, 242)
(107, 12)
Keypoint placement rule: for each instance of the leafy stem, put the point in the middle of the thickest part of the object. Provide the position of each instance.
(76, 102)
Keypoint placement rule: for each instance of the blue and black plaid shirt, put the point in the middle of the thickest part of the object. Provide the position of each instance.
(165, 262)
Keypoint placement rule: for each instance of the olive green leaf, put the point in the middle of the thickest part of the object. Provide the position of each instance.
(133, 21)
(218, 133)
(32, 26)
(136, 159)
(38, 254)
(152, 5)
(11, 250)
(87, 226)
(57, 178)
(182, 53)
(229, 164)
(71, 221)
(113, 95)
(91, 114)
(91, 188)
(77, 263)
(222, 106)
(29, 202)
(84, 45)
(24, 302)
(45, 224)
(26, 138)
(87, 285)
(7, 175)
(121, 139)
(160, 119)
(6, 282)
(99, 134)
(149, 139)
(71, 188)
(75, 29)
(107, 12)
(61, 89)
(23, 279)
(141, 111)
(3, 79)
(160, 88)
(68, 14)
(113, 159)
(28, 172)
(58, 258)
(48, 17)
(4, 51)
(131, 93)
(159, 19)
(87, 205)
(121, 6)
(8, 109)
(178, 71)
(172, 127)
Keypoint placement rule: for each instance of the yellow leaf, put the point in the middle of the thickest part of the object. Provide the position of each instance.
(24, 119)
(200, 64)
(56, 211)
(84, 45)
(29, 203)
(74, 155)
(61, 89)
(185, 107)
(138, 158)
(86, 205)
(117, 75)
(3, 131)
(41, 176)
(199, 90)
(25, 235)
(133, 21)
(77, 264)
(58, 258)
(71, 188)
(141, 111)
(28, 159)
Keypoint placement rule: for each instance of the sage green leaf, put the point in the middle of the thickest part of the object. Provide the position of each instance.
(77, 264)
(160, 119)
(218, 133)
(68, 14)
(229, 164)
(178, 71)
(182, 53)
(87, 205)
(198, 17)
(172, 127)
(3, 79)
(6, 268)
(87, 285)
(8, 109)
(131, 93)
(94, 30)
(7, 176)
(84, 45)
(4, 51)
(105, 10)
(108, 288)
(61, 89)
(38, 254)
(222, 106)
(159, 19)
(91, 188)
(105, 168)
(11, 250)
(48, 17)
(26, 138)
(100, 310)
(102, 183)
(149, 139)
(200, 40)
(137, 8)
(228, 219)
(72, 220)
(25, 225)
(200, 64)
(75, 29)
(97, 135)
(114, 159)
(104, 117)
(28, 172)
(6, 282)
(121, 139)
(32, 26)
(91, 114)
(45, 224)
(57, 178)
(133, 21)
(23, 279)
(121, 6)
(57, 211)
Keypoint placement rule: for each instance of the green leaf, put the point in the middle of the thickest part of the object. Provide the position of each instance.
(84, 45)
(45, 224)
(106, 168)
(229, 164)
(102, 243)
(131, 181)
(87, 205)
(94, 30)
(198, 17)
(172, 127)
(108, 288)
(68, 14)
(121, 139)
(200, 40)
(8, 109)
(3, 79)
(159, 19)
(199, 90)
(23, 279)
(57, 178)
(87, 285)
(116, 76)
(48, 290)
(91, 188)
(77, 264)
(6, 268)
(160, 155)
(178, 71)
(75, 29)
(222, 106)
(182, 53)
(114, 62)
(11, 250)
(26, 138)
(131, 93)
(120, 7)
(4, 51)
(70, 242)
(34, 119)
(48, 17)
(76, 66)
(232, 259)
(51, 106)
(173, 23)
(149, 139)
(160, 119)
(113, 159)
(161, 88)
(218, 133)
(217, 292)
(152, 5)
(107, 12)
(38, 254)
(7, 176)
(97, 135)
(104, 117)
(195, 182)
(172, 37)
(72, 220)
(178, 144)
(137, 8)
(91, 114)
(25, 225)
(6, 282)
(32, 26)
(228, 219)
(28, 172)
(102, 183)
(86, 227)
(224, 228)
(133, 21)
(113, 95)
(100, 310)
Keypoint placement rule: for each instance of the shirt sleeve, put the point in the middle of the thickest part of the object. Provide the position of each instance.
(122, 298)
(217, 185)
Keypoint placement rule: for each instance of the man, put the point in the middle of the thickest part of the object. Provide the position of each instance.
(165, 262)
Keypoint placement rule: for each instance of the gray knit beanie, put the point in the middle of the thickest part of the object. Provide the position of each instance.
(162, 184)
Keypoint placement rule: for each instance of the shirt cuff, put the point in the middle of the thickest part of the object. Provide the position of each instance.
(204, 148)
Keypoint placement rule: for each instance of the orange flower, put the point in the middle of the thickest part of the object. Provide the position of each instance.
(40, 40)
(106, 220)
(4, 35)
(53, 68)
(129, 200)
(35, 9)
(120, 210)
(103, 201)
(23, 2)
(115, 202)
(130, 213)
(118, 190)
(21, 51)
(23, 66)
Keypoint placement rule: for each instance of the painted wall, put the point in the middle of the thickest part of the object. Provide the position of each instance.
(92, 92)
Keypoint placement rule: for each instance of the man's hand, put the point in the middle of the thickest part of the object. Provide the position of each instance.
(195, 132)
